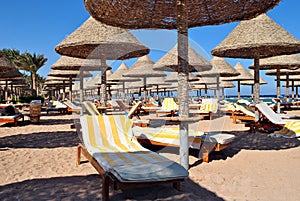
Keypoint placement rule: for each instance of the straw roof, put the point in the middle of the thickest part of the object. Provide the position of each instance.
(11, 75)
(244, 74)
(154, 81)
(173, 77)
(169, 62)
(96, 40)
(283, 62)
(257, 38)
(251, 82)
(296, 84)
(219, 67)
(73, 63)
(136, 14)
(223, 84)
(143, 67)
(291, 77)
(5, 65)
(65, 73)
(205, 80)
(117, 76)
(283, 72)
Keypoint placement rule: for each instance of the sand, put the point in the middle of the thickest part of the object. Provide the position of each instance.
(38, 162)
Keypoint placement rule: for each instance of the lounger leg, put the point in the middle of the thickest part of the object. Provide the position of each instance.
(78, 154)
(105, 187)
(177, 186)
(205, 157)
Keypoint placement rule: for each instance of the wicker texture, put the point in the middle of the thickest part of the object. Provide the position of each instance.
(136, 14)
(65, 73)
(244, 74)
(173, 77)
(283, 62)
(95, 40)
(5, 65)
(117, 76)
(251, 82)
(219, 67)
(283, 72)
(257, 38)
(169, 61)
(143, 67)
(73, 63)
(11, 75)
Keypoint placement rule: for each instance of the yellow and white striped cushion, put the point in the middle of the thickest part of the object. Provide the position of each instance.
(169, 104)
(290, 130)
(109, 139)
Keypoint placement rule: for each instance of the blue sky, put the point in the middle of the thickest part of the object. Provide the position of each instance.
(38, 26)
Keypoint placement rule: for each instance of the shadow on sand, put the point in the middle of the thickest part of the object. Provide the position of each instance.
(89, 188)
(41, 140)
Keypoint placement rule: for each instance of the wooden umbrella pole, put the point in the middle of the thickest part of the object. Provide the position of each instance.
(293, 92)
(182, 30)
(256, 80)
(70, 89)
(145, 89)
(64, 90)
(239, 89)
(81, 85)
(278, 82)
(103, 83)
(287, 93)
(218, 87)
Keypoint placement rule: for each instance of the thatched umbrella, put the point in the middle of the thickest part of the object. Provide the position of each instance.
(220, 68)
(5, 65)
(71, 74)
(202, 83)
(78, 64)
(117, 76)
(95, 40)
(223, 84)
(255, 39)
(285, 72)
(143, 68)
(180, 15)
(244, 75)
(9, 76)
(278, 63)
(156, 82)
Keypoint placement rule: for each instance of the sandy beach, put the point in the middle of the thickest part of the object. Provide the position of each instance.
(38, 162)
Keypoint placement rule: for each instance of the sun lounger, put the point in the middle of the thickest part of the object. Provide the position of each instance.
(109, 145)
(90, 108)
(290, 130)
(208, 108)
(71, 107)
(205, 142)
(169, 106)
(9, 114)
(270, 118)
(57, 106)
(242, 113)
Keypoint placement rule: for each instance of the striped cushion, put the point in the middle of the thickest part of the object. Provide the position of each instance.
(109, 139)
(90, 108)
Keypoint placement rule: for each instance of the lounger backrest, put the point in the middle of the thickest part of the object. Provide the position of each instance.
(209, 105)
(133, 109)
(268, 112)
(169, 104)
(90, 108)
(244, 110)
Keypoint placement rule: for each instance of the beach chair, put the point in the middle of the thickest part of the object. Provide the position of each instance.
(242, 113)
(269, 119)
(209, 106)
(169, 107)
(290, 130)
(110, 146)
(204, 142)
(90, 108)
(71, 107)
(9, 114)
(56, 106)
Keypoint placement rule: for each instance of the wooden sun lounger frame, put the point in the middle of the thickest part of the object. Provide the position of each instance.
(14, 120)
(205, 157)
(108, 179)
(236, 115)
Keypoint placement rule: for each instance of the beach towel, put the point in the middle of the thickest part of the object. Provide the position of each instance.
(290, 130)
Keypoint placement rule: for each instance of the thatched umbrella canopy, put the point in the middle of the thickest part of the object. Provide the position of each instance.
(5, 65)
(9, 76)
(117, 76)
(173, 77)
(244, 75)
(143, 68)
(95, 40)
(220, 68)
(157, 82)
(170, 63)
(180, 15)
(257, 38)
(278, 63)
(285, 72)
(78, 64)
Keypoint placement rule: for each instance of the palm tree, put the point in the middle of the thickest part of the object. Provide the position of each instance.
(31, 63)
(12, 55)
